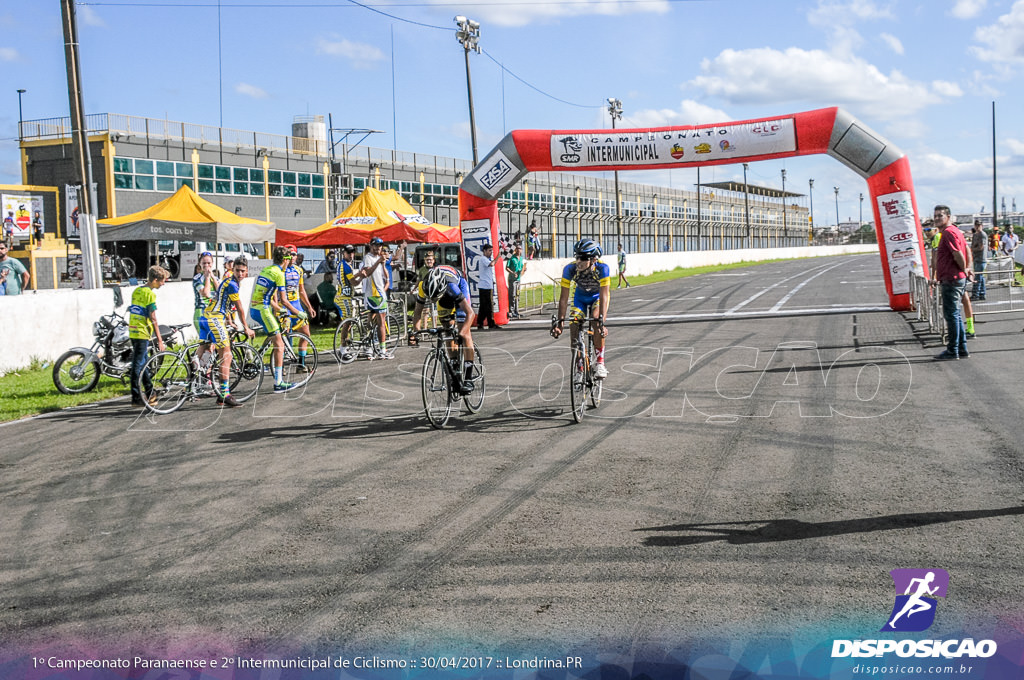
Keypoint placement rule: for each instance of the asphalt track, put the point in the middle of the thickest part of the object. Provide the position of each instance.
(773, 441)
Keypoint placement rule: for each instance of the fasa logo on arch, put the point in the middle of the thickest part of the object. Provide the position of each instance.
(916, 603)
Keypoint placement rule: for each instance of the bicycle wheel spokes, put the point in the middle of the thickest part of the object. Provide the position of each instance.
(436, 388)
(246, 373)
(593, 384)
(347, 338)
(578, 384)
(394, 329)
(171, 374)
(475, 400)
(300, 358)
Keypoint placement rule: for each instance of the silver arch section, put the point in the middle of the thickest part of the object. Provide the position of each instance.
(860, 148)
(498, 171)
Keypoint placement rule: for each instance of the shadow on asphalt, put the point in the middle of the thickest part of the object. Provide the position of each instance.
(770, 531)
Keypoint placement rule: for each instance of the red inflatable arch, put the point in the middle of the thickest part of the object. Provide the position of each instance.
(829, 131)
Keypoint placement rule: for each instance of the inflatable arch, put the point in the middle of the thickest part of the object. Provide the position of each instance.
(829, 131)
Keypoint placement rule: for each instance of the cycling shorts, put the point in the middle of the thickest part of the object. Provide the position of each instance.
(446, 313)
(216, 331)
(346, 308)
(266, 320)
(294, 321)
(376, 303)
(582, 308)
(197, 318)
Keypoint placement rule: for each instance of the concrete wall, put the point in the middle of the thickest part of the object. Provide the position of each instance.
(44, 324)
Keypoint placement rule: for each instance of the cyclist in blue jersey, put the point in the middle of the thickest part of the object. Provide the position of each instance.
(268, 301)
(204, 286)
(593, 292)
(446, 287)
(295, 292)
(224, 304)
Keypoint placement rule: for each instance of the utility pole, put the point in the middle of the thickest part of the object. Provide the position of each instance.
(468, 36)
(746, 202)
(92, 276)
(783, 200)
(810, 193)
(615, 111)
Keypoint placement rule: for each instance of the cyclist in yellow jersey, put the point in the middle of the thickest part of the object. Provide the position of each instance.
(295, 291)
(225, 304)
(268, 301)
(591, 297)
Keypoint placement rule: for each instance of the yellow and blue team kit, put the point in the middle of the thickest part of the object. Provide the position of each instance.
(456, 289)
(589, 283)
(270, 281)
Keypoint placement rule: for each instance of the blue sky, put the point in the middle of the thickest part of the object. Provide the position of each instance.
(923, 73)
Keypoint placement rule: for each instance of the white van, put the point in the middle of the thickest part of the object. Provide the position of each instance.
(189, 252)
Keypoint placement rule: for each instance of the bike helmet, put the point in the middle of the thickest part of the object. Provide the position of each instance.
(291, 249)
(376, 241)
(435, 284)
(586, 248)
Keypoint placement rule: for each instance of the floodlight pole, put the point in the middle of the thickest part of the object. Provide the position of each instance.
(783, 200)
(468, 36)
(615, 111)
(746, 202)
(810, 193)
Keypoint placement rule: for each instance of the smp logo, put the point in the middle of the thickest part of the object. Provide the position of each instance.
(571, 147)
(916, 603)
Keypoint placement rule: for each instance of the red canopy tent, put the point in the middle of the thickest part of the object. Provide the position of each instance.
(383, 214)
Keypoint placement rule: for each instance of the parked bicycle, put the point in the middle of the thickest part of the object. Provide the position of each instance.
(297, 369)
(444, 376)
(582, 381)
(358, 335)
(79, 369)
(179, 376)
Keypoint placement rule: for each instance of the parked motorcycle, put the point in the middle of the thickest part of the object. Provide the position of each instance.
(79, 369)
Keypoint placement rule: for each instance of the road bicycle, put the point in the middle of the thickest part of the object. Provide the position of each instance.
(358, 335)
(295, 369)
(180, 376)
(444, 376)
(582, 381)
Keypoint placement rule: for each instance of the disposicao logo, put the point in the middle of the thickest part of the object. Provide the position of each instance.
(916, 603)
(913, 611)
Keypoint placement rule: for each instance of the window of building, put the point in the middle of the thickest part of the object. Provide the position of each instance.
(165, 168)
(183, 169)
(123, 165)
(206, 172)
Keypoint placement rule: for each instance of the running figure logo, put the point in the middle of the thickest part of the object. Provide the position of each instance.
(915, 606)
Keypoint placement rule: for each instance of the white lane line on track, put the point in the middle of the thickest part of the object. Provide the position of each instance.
(765, 290)
(786, 298)
(726, 315)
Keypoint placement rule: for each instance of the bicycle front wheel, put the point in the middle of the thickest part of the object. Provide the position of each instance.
(171, 374)
(436, 387)
(593, 384)
(578, 384)
(475, 400)
(347, 339)
(394, 329)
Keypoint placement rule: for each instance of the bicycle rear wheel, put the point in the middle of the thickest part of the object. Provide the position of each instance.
(171, 374)
(578, 384)
(436, 388)
(475, 400)
(299, 369)
(394, 329)
(594, 386)
(245, 374)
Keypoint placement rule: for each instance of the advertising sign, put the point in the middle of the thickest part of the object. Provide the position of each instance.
(899, 232)
(658, 147)
(18, 210)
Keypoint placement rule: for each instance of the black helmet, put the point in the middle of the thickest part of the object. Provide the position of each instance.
(376, 241)
(587, 248)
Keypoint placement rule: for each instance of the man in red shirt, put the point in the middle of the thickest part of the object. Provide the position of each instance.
(951, 267)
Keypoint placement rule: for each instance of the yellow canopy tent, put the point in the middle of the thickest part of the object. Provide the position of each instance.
(383, 214)
(185, 216)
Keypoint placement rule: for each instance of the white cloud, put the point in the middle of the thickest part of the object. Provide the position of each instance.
(360, 55)
(967, 9)
(89, 16)
(1004, 40)
(251, 91)
(8, 54)
(527, 13)
(1015, 146)
(893, 42)
(945, 88)
(688, 113)
(770, 76)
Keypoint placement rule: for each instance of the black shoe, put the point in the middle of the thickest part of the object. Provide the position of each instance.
(981, 297)
(964, 354)
(946, 355)
(228, 401)
(973, 298)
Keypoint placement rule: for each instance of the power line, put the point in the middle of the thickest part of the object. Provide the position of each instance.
(535, 88)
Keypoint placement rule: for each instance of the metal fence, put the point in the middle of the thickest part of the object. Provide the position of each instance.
(1003, 294)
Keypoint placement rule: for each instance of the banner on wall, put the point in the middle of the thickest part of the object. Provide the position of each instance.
(18, 210)
(475, 233)
(899, 233)
(71, 210)
(657, 147)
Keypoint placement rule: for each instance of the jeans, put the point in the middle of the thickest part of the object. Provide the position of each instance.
(951, 292)
(978, 288)
(140, 352)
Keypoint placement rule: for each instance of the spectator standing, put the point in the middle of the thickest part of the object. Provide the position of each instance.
(12, 273)
(142, 327)
(37, 229)
(993, 243)
(1009, 242)
(533, 239)
(622, 268)
(515, 267)
(979, 251)
(421, 277)
(951, 267)
(486, 289)
(9, 229)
